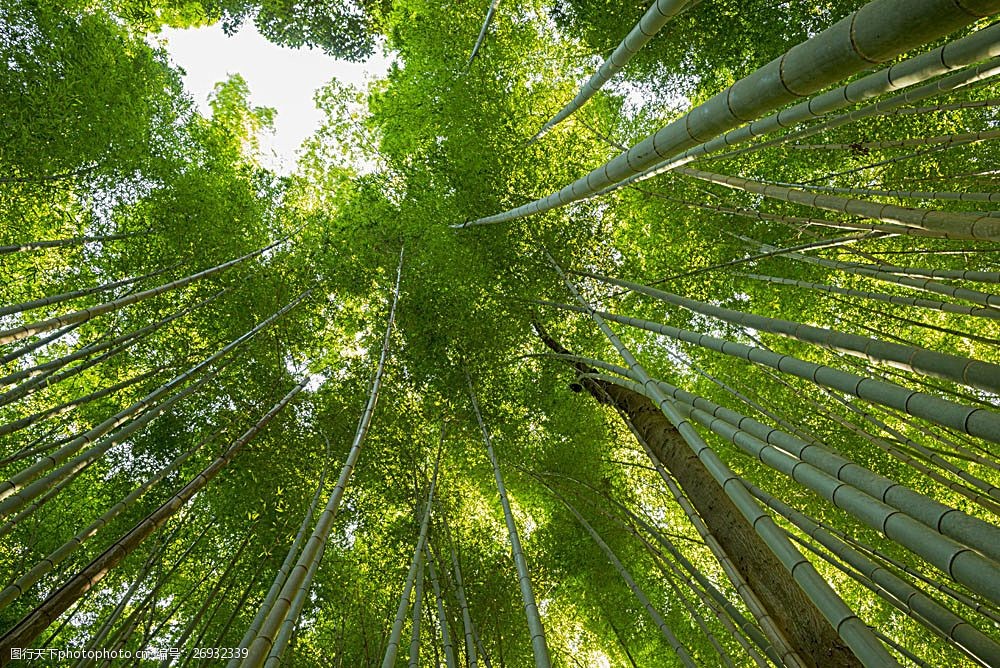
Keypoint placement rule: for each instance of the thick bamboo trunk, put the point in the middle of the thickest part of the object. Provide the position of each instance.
(910, 600)
(875, 33)
(657, 16)
(810, 635)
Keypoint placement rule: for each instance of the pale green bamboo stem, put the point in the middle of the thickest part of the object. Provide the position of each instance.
(953, 106)
(903, 194)
(210, 597)
(958, 54)
(9, 489)
(74, 294)
(73, 241)
(979, 46)
(974, 296)
(65, 407)
(38, 343)
(893, 450)
(877, 32)
(658, 15)
(19, 495)
(947, 224)
(956, 274)
(482, 31)
(288, 626)
(463, 603)
(979, 607)
(23, 331)
(974, 373)
(283, 570)
(962, 564)
(31, 625)
(162, 579)
(397, 626)
(958, 139)
(848, 626)
(415, 617)
(539, 646)
(944, 519)
(906, 597)
(974, 421)
(739, 627)
(48, 564)
(449, 648)
(933, 304)
(675, 644)
(261, 645)
(47, 374)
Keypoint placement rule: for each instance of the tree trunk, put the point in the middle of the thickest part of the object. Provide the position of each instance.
(808, 632)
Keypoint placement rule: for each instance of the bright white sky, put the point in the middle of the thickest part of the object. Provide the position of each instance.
(278, 77)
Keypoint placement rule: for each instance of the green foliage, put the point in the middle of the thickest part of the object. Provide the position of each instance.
(97, 139)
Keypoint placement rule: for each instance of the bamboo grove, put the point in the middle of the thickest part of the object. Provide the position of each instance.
(590, 335)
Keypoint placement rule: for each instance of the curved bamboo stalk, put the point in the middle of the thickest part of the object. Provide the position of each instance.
(902, 194)
(418, 600)
(66, 406)
(974, 296)
(973, 421)
(539, 646)
(959, 369)
(864, 646)
(958, 139)
(83, 292)
(449, 648)
(45, 613)
(939, 517)
(947, 224)
(874, 33)
(658, 15)
(210, 597)
(284, 569)
(983, 46)
(48, 564)
(392, 647)
(73, 241)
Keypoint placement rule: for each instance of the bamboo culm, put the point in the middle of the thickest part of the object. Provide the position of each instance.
(260, 646)
(539, 646)
(847, 625)
(874, 33)
(58, 601)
